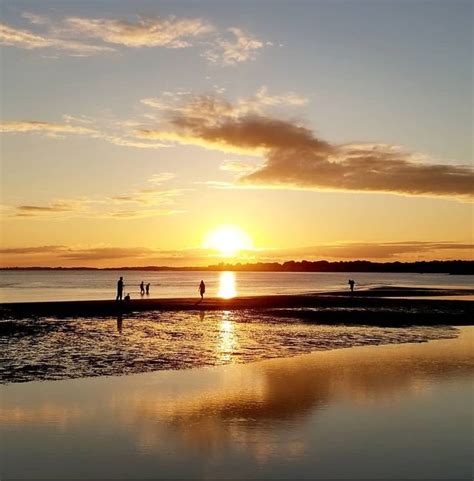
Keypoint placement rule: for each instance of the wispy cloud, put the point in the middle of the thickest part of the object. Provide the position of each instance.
(44, 127)
(149, 196)
(33, 210)
(236, 166)
(234, 47)
(52, 129)
(28, 40)
(161, 177)
(204, 106)
(170, 32)
(295, 158)
(229, 47)
(139, 203)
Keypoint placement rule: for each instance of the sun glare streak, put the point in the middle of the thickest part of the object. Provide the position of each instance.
(228, 240)
(227, 288)
(228, 341)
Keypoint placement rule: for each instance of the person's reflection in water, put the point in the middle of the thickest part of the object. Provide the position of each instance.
(202, 314)
(119, 323)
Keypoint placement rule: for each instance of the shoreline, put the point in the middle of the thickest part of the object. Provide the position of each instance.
(381, 306)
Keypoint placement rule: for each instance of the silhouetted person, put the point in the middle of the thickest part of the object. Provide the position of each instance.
(202, 289)
(148, 289)
(127, 298)
(351, 284)
(119, 289)
(142, 288)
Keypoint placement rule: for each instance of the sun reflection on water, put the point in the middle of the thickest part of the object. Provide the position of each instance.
(227, 288)
(228, 341)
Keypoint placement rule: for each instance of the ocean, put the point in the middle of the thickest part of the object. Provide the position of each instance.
(28, 286)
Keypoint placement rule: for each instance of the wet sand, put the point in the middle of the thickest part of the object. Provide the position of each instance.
(398, 305)
(384, 412)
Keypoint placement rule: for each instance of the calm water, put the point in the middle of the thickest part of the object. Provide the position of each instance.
(74, 285)
(385, 412)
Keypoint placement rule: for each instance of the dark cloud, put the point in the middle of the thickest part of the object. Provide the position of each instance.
(44, 208)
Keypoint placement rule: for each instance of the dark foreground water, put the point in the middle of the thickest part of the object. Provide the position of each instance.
(376, 412)
(47, 349)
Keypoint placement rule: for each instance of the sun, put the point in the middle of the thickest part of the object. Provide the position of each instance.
(229, 240)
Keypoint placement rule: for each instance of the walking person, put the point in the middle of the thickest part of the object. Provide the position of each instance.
(202, 289)
(351, 283)
(142, 288)
(147, 288)
(119, 289)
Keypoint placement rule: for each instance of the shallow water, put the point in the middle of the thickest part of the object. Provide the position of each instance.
(387, 412)
(43, 349)
(24, 286)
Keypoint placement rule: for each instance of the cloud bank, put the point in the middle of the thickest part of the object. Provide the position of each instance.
(61, 255)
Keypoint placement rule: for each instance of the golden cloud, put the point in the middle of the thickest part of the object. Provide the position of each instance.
(28, 40)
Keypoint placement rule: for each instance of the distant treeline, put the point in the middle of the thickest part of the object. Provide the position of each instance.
(446, 267)
(423, 267)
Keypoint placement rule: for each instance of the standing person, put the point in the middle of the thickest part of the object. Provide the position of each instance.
(119, 289)
(142, 288)
(202, 289)
(351, 284)
(148, 289)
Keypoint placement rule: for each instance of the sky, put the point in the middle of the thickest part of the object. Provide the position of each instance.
(159, 133)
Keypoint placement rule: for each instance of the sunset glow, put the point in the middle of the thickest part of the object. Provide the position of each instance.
(195, 134)
(228, 240)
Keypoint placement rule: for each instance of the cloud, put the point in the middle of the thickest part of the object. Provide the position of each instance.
(205, 106)
(25, 39)
(23, 126)
(187, 113)
(235, 47)
(52, 129)
(128, 142)
(52, 209)
(161, 177)
(105, 255)
(228, 47)
(295, 158)
(374, 251)
(361, 168)
(146, 202)
(149, 196)
(31, 250)
(236, 166)
(170, 32)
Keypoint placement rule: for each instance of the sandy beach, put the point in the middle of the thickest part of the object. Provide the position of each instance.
(395, 411)
(388, 306)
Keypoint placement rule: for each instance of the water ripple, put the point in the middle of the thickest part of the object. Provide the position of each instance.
(46, 349)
